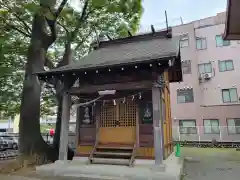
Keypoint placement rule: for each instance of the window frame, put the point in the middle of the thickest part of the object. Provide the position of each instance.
(217, 120)
(188, 131)
(229, 95)
(204, 64)
(224, 61)
(185, 63)
(184, 37)
(191, 90)
(236, 132)
(217, 45)
(202, 39)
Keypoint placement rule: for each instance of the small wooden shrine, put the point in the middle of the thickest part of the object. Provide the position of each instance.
(124, 84)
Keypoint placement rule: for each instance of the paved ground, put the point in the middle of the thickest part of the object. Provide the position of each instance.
(211, 164)
(201, 164)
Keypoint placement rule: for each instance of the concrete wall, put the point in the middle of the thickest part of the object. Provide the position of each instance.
(207, 95)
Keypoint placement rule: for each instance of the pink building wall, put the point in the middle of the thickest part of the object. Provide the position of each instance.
(207, 95)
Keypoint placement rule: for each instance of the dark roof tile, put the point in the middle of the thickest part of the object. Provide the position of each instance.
(133, 52)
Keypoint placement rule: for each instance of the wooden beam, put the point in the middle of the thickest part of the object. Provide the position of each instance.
(116, 86)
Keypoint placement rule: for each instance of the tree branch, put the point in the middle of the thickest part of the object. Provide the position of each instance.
(19, 30)
(49, 63)
(83, 17)
(60, 8)
(67, 32)
(24, 23)
(53, 37)
(83, 40)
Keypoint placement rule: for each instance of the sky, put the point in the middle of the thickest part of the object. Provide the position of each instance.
(188, 10)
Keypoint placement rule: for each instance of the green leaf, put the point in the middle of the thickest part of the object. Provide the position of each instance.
(32, 7)
(99, 3)
(114, 8)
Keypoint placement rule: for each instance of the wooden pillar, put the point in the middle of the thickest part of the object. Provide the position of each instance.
(63, 149)
(77, 127)
(157, 122)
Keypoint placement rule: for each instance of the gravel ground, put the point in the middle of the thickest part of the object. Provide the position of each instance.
(211, 164)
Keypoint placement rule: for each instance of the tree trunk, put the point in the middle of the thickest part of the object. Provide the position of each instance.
(31, 141)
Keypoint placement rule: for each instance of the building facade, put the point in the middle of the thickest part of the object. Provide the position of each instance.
(206, 105)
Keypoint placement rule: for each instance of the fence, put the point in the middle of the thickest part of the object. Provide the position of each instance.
(206, 133)
(49, 139)
(12, 154)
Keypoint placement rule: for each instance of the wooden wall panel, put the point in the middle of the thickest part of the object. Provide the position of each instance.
(87, 132)
(87, 135)
(118, 135)
(146, 135)
(167, 123)
(145, 153)
(84, 150)
(145, 130)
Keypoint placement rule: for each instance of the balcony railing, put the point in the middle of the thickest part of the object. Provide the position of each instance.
(207, 133)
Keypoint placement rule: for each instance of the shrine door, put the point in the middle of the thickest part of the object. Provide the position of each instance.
(118, 123)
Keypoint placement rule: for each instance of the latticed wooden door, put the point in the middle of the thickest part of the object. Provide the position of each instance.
(118, 122)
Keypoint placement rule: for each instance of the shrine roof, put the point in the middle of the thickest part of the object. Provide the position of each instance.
(130, 50)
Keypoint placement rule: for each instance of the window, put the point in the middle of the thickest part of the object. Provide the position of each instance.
(229, 95)
(184, 42)
(185, 95)
(187, 126)
(205, 68)
(226, 65)
(211, 126)
(201, 43)
(186, 67)
(233, 126)
(220, 42)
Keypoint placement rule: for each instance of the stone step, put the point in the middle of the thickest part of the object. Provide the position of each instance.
(110, 161)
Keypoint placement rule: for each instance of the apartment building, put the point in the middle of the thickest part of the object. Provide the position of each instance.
(206, 105)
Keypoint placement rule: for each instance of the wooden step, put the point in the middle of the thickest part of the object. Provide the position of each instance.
(113, 153)
(114, 147)
(110, 161)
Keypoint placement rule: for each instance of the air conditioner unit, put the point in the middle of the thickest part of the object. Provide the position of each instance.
(207, 76)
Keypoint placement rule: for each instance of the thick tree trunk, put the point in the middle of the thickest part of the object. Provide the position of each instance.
(31, 141)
